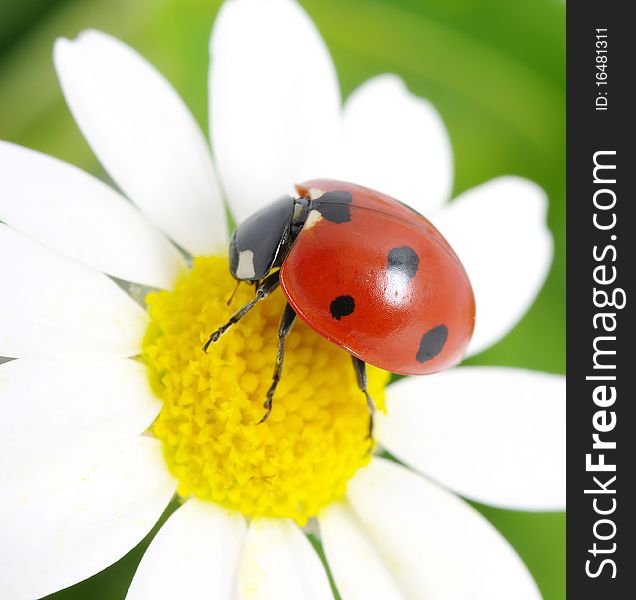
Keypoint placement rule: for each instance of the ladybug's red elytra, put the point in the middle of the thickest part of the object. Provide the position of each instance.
(363, 270)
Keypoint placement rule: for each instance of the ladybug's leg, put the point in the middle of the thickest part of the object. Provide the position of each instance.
(264, 289)
(285, 326)
(360, 367)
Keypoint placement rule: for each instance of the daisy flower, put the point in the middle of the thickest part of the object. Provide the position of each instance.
(110, 408)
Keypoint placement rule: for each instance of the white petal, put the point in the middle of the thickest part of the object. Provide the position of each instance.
(69, 211)
(436, 545)
(52, 408)
(58, 532)
(358, 569)
(274, 101)
(144, 136)
(499, 232)
(397, 143)
(279, 562)
(52, 306)
(194, 555)
(492, 434)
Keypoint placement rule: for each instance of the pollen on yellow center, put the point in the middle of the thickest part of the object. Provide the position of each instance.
(316, 437)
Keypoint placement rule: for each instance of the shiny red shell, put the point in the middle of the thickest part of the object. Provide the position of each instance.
(408, 304)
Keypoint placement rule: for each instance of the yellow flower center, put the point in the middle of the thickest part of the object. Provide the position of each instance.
(316, 437)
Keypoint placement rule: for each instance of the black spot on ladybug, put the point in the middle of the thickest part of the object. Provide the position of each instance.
(341, 307)
(403, 260)
(334, 206)
(432, 343)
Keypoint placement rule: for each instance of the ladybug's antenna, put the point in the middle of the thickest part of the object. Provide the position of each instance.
(233, 293)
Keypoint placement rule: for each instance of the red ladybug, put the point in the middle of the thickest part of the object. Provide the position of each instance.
(363, 270)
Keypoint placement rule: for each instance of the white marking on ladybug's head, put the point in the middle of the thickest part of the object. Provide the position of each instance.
(298, 209)
(312, 218)
(245, 268)
(315, 193)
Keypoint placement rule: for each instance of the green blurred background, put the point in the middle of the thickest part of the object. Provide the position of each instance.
(494, 69)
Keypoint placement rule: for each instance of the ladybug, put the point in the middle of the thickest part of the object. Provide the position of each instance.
(363, 270)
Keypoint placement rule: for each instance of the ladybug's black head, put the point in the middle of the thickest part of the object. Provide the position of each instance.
(255, 246)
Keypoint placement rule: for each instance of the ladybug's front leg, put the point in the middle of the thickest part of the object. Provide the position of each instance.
(286, 324)
(360, 367)
(264, 289)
